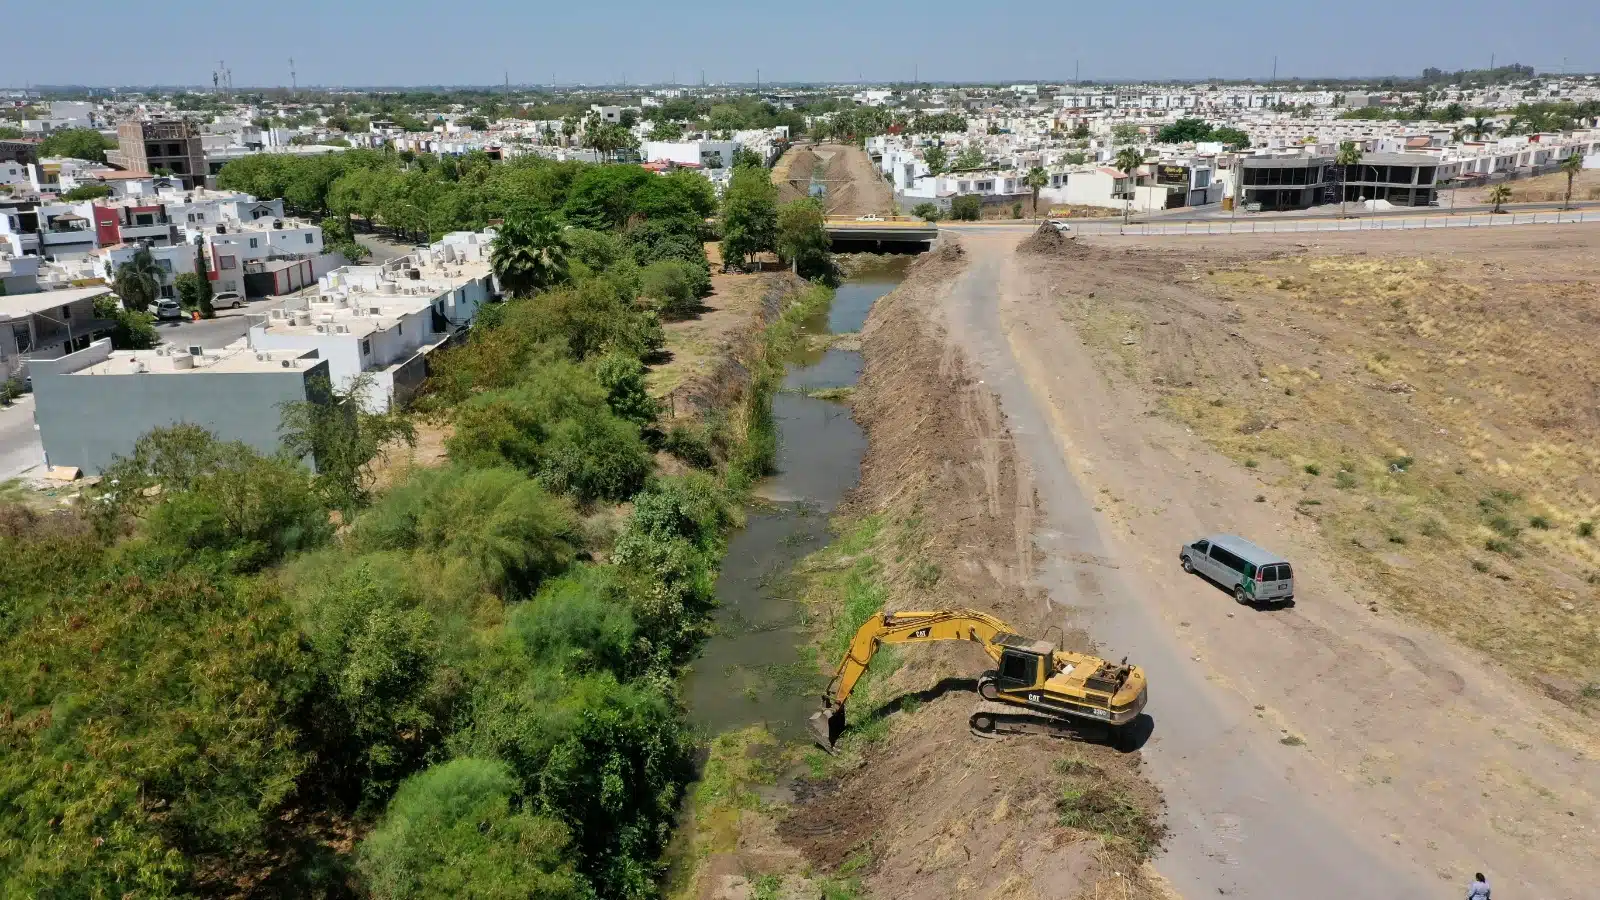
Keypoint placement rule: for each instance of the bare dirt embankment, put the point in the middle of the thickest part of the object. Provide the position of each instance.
(1410, 418)
(945, 514)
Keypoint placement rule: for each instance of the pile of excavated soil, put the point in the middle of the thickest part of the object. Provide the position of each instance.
(1047, 241)
(943, 813)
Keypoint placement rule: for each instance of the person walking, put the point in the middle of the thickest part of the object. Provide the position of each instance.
(1479, 889)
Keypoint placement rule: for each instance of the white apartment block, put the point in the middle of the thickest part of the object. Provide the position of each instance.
(386, 319)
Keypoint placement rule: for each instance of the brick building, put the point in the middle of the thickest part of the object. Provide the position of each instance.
(170, 145)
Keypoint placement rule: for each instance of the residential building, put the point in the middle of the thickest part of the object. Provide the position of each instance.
(173, 145)
(22, 150)
(92, 406)
(706, 154)
(47, 325)
(236, 249)
(127, 222)
(385, 320)
(46, 228)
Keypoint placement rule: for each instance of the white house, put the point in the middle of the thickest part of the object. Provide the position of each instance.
(232, 246)
(386, 319)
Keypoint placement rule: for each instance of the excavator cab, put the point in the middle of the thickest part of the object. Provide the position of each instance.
(1019, 670)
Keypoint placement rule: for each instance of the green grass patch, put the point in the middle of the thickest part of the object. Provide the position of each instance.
(1101, 800)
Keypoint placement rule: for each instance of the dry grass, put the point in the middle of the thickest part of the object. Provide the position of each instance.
(1449, 409)
(695, 345)
(1544, 189)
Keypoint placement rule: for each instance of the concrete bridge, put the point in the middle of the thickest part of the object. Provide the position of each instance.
(904, 234)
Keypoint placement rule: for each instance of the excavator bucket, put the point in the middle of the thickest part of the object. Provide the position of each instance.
(826, 724)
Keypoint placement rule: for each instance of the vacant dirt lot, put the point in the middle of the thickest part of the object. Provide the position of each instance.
(1431, 402)
(1545, 188)
(1410, 418)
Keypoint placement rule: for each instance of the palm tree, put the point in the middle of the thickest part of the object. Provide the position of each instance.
(1349, 155)
(1499, 194)
(1036, 179)
(1129, 159)
(138, 281)
(529, 254)
(1480, 127)
(1570, 166)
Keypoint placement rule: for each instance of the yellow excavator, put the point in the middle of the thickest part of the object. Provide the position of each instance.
(1033, 688)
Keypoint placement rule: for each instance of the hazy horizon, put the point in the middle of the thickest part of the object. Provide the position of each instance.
(406, 44)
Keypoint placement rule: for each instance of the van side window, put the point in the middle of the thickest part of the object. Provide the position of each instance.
(1228, 559)
(1249, 570)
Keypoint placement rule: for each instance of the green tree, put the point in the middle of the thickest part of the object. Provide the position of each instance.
(1036, 179)
(608, 139)
(1184, 131)
(672, 284)
(337, 429)
(1481, 127)
(1570, 167)
(602, 197)
(926, 211)
(1232, 138)
(622, 377)
(938, 160)
(802, 239)
(749, 215)
(1127, 133)
(138, 281)
(1128, 160)
(528, 255)
(86, 192)
(1499, 194)
(76, 143)
(133, 330)
(966, 208)
(1349, 155)
(970, 157)
(188, 286)
(457, 831)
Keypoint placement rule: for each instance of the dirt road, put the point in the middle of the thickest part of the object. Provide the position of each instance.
(1321, 751)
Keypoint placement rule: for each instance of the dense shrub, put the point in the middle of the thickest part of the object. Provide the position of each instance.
(558, 426)
(457, 831)
(220, 501)
(668, 551)
(622, 377)
(580, 622)
(148, 725)
(503, 529)
(597, 251)
(384, 697)
(606, 758)
(673, 285)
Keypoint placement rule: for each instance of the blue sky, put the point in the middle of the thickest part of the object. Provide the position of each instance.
(403, 42)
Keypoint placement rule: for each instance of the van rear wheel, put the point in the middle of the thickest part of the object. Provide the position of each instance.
(1239, 594)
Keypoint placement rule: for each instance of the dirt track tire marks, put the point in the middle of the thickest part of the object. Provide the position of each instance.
(1241, 810)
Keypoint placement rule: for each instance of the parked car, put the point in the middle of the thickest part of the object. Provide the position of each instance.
(1252, 573)
(228, 300)
(869, 218)
(169, 309)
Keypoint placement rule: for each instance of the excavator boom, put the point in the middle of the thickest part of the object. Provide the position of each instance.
(1031, 674)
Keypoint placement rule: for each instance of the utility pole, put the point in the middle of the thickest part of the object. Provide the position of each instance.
(1274, 81)
(758, 80)
(294, 84)
(1076, 81)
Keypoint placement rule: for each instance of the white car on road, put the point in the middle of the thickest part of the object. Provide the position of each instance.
(228, 300)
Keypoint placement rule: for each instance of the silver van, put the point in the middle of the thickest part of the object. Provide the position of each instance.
(1253, 574)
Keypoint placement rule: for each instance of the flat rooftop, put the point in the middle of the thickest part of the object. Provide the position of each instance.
(178, 361)
(367, 299)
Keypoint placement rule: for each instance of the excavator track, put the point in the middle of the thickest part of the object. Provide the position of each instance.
(992, 719)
